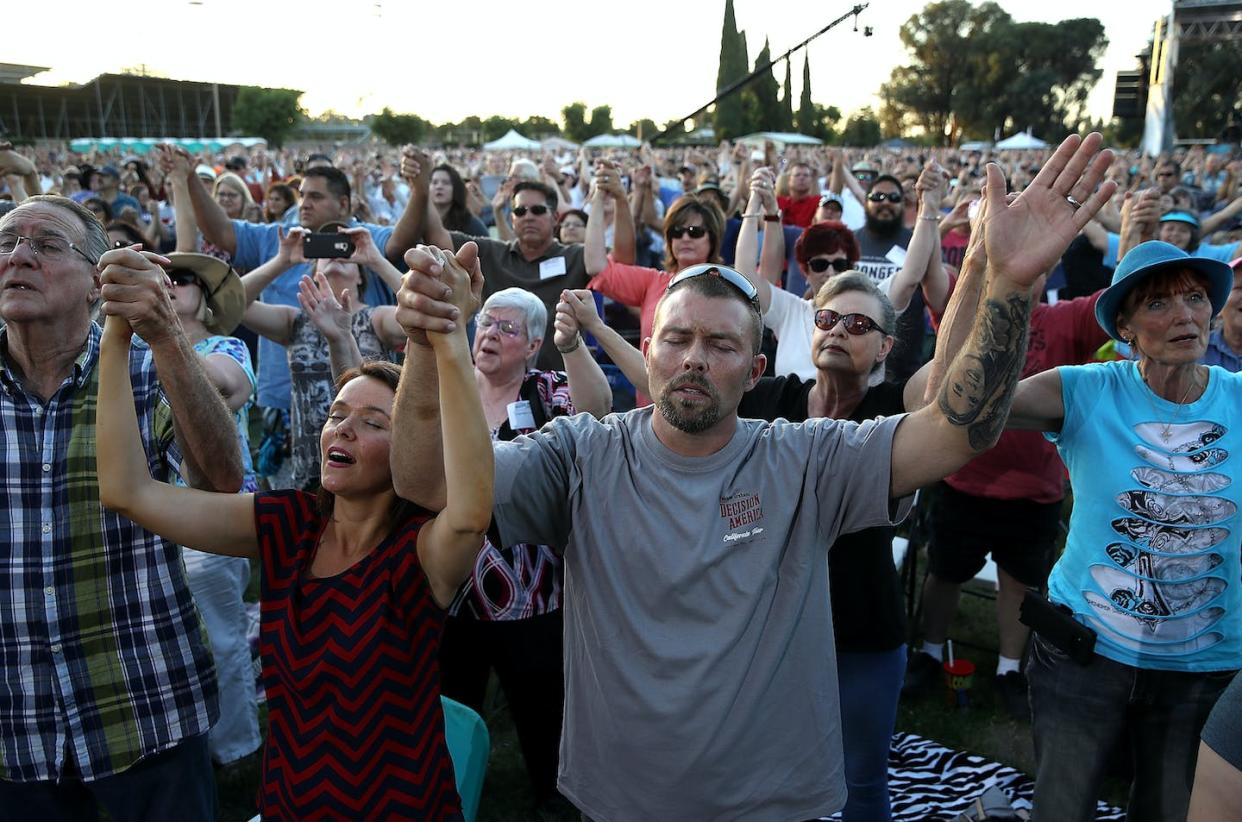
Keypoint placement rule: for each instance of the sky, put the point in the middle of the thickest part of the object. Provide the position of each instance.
(447, 60)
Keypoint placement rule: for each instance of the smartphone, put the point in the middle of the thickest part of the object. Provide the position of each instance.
(318, 245)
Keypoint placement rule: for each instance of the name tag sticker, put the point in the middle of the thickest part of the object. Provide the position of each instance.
(552, 267)
(896, 255)
(520, 416)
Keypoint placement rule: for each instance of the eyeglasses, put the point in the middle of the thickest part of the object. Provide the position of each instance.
(695, 231)
(49, 247)
(1164, 174)
(725, 273)
(892, 197)
(506, 327)
(537, 210)
(854, 324)
(182, 276)
(819, 265)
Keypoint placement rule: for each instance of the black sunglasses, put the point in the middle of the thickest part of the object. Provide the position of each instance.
(723, 272)
(892, 197)
(695, 231)
(182, 276)
(819, 265)
(537, 210)
(855, 324)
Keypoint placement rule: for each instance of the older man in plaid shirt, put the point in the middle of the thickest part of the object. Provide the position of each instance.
(106, 684)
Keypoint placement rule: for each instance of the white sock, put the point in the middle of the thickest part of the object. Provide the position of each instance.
(934, 649)
(1004, 665)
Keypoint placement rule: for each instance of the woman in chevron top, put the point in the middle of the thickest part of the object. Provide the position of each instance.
(354, 581)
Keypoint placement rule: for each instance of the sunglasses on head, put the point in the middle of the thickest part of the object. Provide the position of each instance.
(695, 231)
(723, 272)
(819, 265)
(854, 324)
(892, 197)
(537, 210)
(182, 276)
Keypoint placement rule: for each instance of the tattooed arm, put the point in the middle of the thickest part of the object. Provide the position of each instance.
(1023, 239)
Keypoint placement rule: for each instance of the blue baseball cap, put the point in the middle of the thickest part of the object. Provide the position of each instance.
(1150, 258)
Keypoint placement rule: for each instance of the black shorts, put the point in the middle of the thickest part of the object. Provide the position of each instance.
(1020, 535)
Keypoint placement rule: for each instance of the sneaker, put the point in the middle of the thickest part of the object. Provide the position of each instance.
(924, 674)
(1011, 688)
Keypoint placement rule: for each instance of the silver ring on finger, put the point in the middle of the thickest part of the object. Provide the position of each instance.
(1077, 205)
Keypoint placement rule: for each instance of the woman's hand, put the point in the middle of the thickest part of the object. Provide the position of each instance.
(331, 317)
(763, 185)
(289, 252)
(575, 313)
(365, 251)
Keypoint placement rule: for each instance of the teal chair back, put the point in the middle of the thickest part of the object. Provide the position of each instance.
(468, 745)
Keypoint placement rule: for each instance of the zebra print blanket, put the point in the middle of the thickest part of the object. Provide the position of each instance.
(927, 781)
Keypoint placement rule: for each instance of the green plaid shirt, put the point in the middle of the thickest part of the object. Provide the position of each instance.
(103, 658)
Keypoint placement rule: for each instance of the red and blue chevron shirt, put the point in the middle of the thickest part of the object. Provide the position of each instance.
(351, 671)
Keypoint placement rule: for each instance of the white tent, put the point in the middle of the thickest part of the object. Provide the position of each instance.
(512, 142)
(613, 141)
(558, 144)
(1021, 141)
(781, 138)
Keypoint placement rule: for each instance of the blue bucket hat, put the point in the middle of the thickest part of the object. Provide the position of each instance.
(1150, 258)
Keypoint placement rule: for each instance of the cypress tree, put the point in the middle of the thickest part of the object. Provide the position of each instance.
(787, 120)
(806, 109)
(728, 117)
(762, 105)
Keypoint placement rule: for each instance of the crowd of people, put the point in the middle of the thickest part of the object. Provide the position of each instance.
(632, 429)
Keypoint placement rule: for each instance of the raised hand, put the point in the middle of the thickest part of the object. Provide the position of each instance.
(365, 251)
(425, 301)
(575, 312)
(1026, 237)
(415, 167)
(763, 186)
(137, 289)
(331, 317)
(290, 249)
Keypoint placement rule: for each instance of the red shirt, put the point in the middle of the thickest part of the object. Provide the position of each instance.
(352, 675)
(799, 211)
(1024, 465)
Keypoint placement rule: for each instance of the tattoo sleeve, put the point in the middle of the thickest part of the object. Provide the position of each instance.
(979, 387)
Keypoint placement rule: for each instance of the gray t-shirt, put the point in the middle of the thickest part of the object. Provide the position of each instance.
(700, 673)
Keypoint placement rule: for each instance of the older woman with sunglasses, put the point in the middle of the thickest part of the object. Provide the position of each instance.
(854, 321)
(693, 229)
(823, 250)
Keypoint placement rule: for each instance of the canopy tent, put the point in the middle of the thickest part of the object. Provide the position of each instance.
(613, 141)
(512, 142)
(141, 145)
(781, 138)
(1021, 141)
(558, 144)
(977, 145)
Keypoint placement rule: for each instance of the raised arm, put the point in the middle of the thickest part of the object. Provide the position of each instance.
(333, 320)
(588, 387)
(367, 254)
(1222, 217)
(1140, 218)
(762, 197)
(213, 222)
(594, 247)
(409, 228)
(924, 244)
(624, 246)
(423, 305)
(449, 544)
(1023, 240)
(135, 289)
(180, 167)
(629, 359)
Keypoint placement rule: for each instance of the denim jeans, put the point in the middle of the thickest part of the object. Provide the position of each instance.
(1079, 714)
(176, 784)
(870, 686)
(217, 583)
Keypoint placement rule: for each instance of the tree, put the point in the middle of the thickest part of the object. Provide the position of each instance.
(1207, 88)
(761, 101)
(975, 70)
(787, 121)
(643, 129)
(862, 129)
(574, 117)
(495, 127)
(601, 120)
(806, 109)
(537, 126)
(399, 129)
(270, 113)
(729, 115)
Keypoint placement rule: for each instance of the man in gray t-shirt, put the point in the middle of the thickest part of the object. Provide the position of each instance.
(700, 677)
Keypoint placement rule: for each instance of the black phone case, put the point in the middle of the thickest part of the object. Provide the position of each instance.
(316, 246)
(1056, 624)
